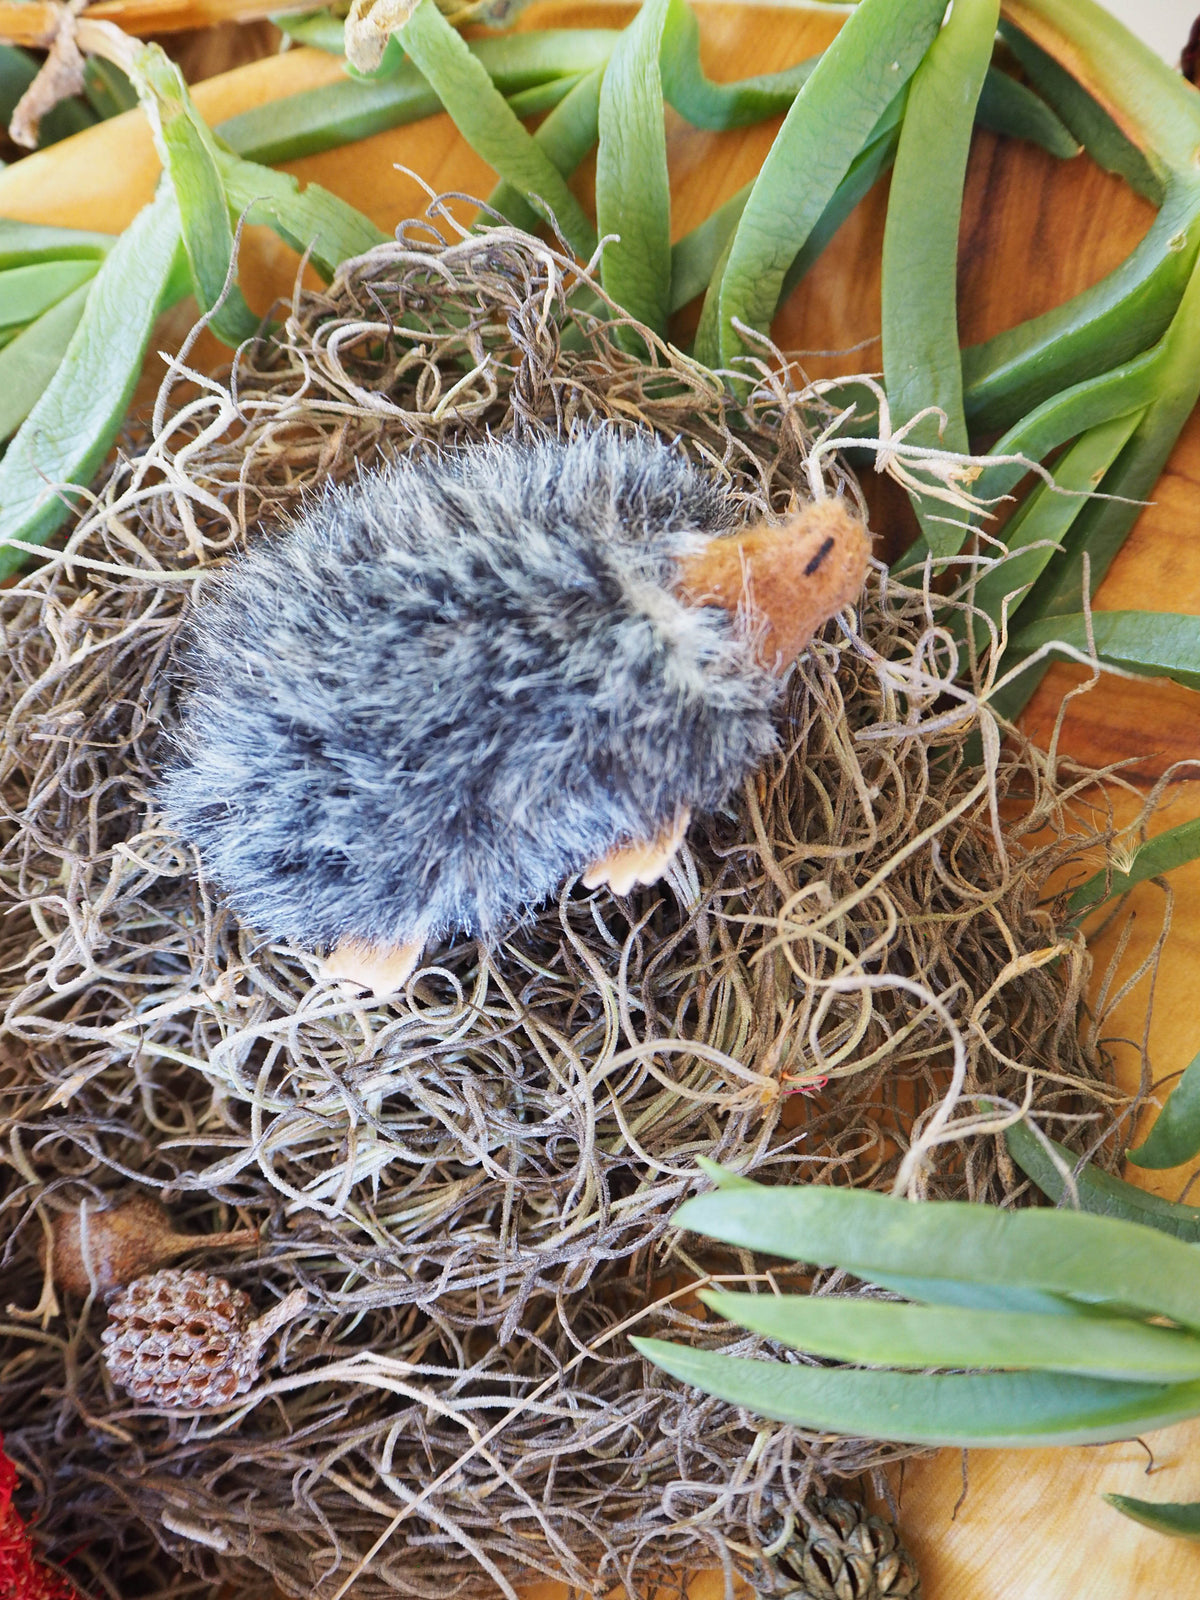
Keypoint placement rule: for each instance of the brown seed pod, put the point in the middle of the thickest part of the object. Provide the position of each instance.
(104, 1250)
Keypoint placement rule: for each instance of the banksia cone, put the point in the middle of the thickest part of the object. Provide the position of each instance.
(182, 1340)
(846, 1553)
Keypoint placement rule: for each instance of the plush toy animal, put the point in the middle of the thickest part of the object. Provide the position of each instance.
(448, 686)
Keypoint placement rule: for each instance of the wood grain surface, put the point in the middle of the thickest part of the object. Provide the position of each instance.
(1032, 1525)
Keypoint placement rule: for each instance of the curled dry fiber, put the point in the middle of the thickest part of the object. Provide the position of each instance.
(475, 1185)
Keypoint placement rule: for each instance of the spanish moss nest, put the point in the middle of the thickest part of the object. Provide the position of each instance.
(846, 978)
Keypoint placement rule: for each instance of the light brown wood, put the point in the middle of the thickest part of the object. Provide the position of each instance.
(1034, 231)
(34, 22)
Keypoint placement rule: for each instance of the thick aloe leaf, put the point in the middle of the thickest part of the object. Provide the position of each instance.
(876, 51)
(29, 362)
(882, 1333)
(69, 431)
(1091, 1258)
(633, 195)
(1154, 644)
(1175, 847)
(922, 364)
(25, 292)
(1175, 1136)
(1003, 1409)
(1099, 1192)
(1179, 1518)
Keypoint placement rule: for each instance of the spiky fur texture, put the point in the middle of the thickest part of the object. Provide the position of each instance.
(453, 683)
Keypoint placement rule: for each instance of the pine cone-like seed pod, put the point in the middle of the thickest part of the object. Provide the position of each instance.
(847, 1553)
(182, 1340)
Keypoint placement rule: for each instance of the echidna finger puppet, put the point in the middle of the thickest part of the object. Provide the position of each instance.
(452, 684)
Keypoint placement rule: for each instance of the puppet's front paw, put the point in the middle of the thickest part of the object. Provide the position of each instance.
(644, 861)
(381, 972)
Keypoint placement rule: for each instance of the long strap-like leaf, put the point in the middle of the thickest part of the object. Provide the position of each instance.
(67, 434)
(876, 51)
(633, 194)
(487, 123)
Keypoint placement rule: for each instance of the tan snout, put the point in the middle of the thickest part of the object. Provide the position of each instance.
(787, 579)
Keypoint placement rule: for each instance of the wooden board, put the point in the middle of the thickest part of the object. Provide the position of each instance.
(1035, 230)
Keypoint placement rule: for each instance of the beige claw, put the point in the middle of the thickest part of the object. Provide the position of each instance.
(382, 972)
(789, 577)
(642, 862)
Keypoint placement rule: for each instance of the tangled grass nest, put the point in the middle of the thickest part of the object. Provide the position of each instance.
(846, 978)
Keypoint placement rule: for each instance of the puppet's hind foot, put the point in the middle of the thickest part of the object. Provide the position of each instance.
(644, 861)
(381, 972)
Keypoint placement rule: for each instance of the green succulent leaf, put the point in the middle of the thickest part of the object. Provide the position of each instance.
(189, 156)
(1008, 107)
(24, 243)
(1099, 1193)
(976, 1296)
(882, 1333)
(1172, 848)
(1154, 644)
(1089, 1258)
(921, 361)
(1002, 1409)
(1085, 117)
(482, 116)
(1175, 1136)
(1179, 1518)
(877, 50)
(69, 430)
(339, 113)
(718, 106)
(633, 193)
(29, 362)
(309, 219)
(1035, 532)
(25, 292)
(566, 137)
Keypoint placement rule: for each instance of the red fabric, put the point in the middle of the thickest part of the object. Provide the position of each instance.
(22, 1575)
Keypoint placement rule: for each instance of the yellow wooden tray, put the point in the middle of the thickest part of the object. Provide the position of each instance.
(1035, 230)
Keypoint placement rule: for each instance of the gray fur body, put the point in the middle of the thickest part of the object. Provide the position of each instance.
(446, 687)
